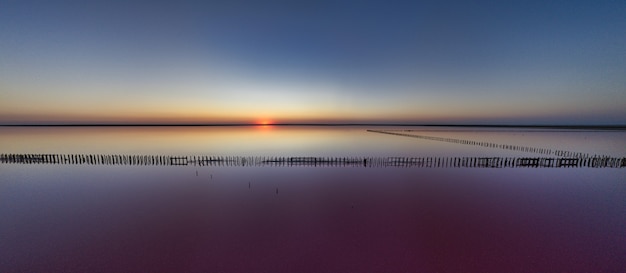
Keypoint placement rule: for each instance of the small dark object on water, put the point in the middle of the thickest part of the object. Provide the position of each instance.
(196, 173)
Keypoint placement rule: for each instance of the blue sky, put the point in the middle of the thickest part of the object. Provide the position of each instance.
(527, 62)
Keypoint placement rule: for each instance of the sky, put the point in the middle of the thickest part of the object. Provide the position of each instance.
(413, 62)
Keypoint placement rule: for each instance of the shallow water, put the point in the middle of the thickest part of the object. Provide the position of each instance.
(74, 217)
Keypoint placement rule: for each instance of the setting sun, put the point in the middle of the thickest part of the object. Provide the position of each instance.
(264, 122)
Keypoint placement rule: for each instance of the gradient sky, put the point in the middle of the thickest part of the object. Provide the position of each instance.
(522, 62)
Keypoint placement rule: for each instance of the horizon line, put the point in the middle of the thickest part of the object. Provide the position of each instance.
(556, 126)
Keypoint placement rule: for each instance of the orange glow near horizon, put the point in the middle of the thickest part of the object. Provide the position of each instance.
(264, 122)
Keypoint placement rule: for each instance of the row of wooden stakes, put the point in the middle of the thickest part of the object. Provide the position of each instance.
(282, 161)
(486, 144)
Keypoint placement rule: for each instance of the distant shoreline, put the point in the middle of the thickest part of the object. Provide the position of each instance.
(577, 127)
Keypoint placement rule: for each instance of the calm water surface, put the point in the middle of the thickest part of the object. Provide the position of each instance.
(128, 218)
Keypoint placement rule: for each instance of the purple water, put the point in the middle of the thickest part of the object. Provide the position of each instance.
(83, 218)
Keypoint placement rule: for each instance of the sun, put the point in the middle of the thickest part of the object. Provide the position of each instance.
(264, 122)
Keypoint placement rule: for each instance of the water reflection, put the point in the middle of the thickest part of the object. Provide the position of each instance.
(309, 141)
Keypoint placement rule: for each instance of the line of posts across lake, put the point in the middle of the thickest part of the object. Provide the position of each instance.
(293, 161)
